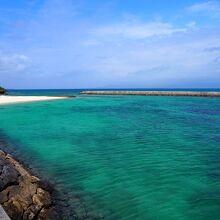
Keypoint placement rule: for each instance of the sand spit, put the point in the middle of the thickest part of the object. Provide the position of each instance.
(7, 99)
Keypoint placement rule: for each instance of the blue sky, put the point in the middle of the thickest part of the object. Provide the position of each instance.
(109, 44)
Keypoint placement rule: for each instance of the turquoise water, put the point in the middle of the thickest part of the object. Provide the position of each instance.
(133, 158)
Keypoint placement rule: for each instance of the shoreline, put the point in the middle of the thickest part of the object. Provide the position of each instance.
(153, 93)
(23, 195)
(65, 203)
(8, 99)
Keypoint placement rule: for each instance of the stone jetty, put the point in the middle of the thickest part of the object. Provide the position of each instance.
(21, 194)
(24, 196)
(154, 93)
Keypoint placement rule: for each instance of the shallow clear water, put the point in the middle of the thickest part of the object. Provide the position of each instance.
(139, 158)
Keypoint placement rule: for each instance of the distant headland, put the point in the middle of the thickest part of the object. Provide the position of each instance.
(2, 91)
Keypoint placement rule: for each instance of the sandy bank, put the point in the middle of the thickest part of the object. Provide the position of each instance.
(17, 99)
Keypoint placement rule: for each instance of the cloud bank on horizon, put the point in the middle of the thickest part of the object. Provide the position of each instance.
(109, 44)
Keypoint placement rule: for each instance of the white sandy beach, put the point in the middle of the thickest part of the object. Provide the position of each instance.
(5, 99)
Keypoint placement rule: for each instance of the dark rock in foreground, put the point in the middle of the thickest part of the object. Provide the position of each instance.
(25, 197)
(21, 194)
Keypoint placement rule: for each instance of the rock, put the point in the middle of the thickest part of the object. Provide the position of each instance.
(14, 210)
(42, 198)
(13, 191)
(8, 176)
(31, 212)
(21, 194)
(2, 91)
(2, 153)
(4, 196)
(48, 214)
(24, 201)
(25, 197)
(28, 188)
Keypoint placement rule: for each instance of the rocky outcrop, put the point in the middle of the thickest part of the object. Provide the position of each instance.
(25, 197)
(2, 91)
(22, 195)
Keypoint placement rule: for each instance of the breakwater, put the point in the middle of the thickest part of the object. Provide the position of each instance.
(19, 178)
(22, 195)
(154, 93)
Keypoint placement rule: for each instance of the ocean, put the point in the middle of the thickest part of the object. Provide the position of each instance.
(129, 157)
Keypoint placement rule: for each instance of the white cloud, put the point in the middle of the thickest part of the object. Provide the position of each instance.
(69, 51)
(206, 7)
(158, 63)
(191, 25)
(13, 63)
(138, 30)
